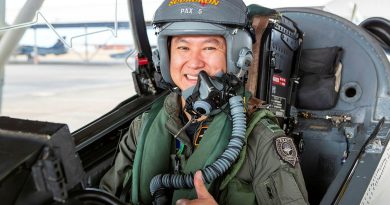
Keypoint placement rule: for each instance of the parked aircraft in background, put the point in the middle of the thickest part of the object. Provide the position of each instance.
(123, 54)
(57, 49)
(130, 52)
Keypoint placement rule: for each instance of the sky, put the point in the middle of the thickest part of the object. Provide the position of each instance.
(105, 10)
(93, 10)
(73, 10)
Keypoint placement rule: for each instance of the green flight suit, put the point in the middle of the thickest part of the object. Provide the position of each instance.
(265, 177)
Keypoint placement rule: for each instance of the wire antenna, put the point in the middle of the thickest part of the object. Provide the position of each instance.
(38, 15)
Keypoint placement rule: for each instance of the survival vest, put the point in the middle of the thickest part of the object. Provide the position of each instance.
(154, 148)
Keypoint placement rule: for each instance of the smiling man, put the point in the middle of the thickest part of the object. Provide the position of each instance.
(193, 54)
(202, 127)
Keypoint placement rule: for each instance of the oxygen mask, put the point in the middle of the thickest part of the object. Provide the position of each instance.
(209, 94)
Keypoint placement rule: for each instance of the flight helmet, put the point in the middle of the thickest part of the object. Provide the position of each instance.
(227, 18)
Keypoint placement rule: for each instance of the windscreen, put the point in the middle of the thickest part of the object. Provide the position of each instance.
(64, 61)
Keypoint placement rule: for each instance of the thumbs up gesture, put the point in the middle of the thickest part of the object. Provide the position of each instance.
(204, 197)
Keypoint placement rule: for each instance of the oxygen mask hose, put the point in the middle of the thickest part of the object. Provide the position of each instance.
(160, 183)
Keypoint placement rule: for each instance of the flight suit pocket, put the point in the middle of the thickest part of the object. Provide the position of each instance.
(281, 188)
(267, 192)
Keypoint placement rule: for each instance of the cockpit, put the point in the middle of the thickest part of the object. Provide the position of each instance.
(325, 78)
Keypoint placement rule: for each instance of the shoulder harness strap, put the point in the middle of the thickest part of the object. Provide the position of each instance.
(156, 107)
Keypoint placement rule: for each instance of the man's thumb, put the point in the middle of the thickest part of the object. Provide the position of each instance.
(200, 187)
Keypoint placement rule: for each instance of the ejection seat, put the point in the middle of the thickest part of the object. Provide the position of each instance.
(333, 136)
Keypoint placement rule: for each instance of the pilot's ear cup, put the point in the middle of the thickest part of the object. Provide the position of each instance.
(156, 59)
(245, 59)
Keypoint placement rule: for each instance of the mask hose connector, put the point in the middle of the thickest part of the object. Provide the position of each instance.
(186, 181)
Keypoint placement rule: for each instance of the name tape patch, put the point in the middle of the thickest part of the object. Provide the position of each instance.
(202, 2)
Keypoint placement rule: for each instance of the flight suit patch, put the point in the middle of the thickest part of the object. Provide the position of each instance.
(286, 150)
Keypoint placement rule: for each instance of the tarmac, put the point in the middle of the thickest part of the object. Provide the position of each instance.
(70, 93)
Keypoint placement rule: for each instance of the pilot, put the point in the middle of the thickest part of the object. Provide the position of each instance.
(199, 144)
